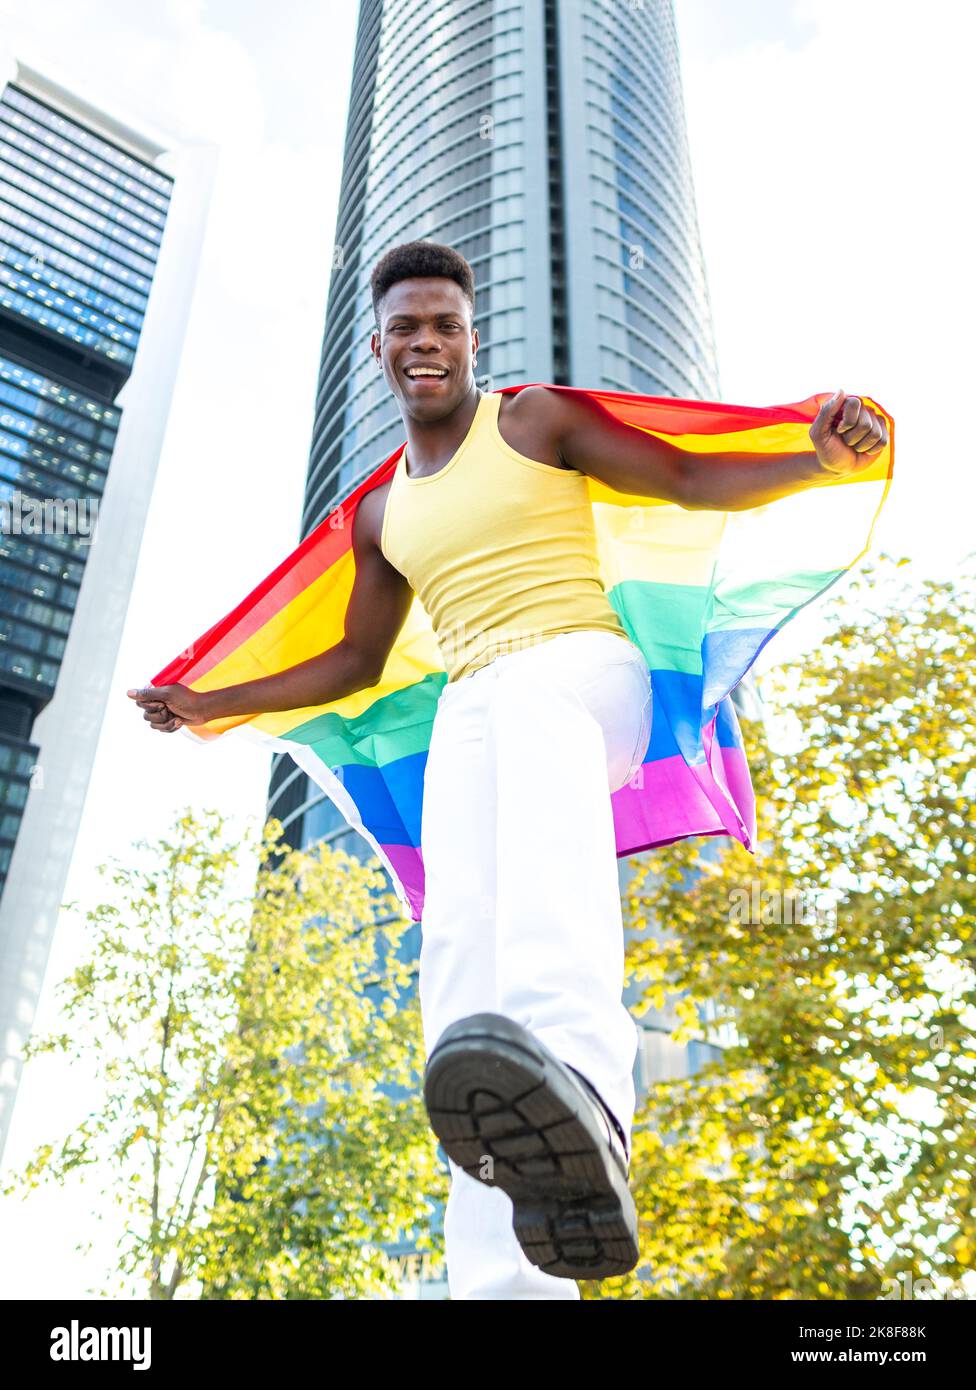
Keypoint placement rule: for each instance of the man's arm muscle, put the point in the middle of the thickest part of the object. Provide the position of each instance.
(381, 597)
(626, 459)
(630, 461)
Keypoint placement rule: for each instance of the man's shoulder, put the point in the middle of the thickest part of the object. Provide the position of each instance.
(368, 519)
(535, 404)
(535, 417)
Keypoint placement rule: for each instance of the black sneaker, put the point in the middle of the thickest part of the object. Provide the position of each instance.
(494, 1092)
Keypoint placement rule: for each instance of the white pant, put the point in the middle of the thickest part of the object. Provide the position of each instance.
(522, 911)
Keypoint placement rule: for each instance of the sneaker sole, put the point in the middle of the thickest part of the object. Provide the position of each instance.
(491, 1093)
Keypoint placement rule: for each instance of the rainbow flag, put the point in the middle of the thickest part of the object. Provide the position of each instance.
(700, 592)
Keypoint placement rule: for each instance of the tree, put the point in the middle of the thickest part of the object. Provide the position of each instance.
(250, 1052)
(830, 1147)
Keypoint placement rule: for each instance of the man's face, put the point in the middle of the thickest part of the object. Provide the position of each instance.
(426, 322)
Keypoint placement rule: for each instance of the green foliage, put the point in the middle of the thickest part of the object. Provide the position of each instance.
(246, 1048)
(830, 1145)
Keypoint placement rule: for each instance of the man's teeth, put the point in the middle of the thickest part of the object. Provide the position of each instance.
(425, 371)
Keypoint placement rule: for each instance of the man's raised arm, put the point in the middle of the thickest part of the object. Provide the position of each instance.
(377, 609)
(845, 438)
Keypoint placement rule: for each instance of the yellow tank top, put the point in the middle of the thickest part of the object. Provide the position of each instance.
(499, 548)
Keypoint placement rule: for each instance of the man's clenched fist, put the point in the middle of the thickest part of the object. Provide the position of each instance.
(846, 435)
(169, 707)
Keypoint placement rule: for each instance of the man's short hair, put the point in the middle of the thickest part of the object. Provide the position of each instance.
(419, 258)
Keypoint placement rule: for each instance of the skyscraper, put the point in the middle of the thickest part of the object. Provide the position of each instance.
(545, 140)
(94, 217)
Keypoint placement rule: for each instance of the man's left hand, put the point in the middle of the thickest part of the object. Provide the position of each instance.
(846, 435)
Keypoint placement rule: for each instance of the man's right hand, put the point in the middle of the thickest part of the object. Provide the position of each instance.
(169, 707)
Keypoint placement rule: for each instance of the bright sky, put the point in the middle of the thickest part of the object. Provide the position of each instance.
(830, 156)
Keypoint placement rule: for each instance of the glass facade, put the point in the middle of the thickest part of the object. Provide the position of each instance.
(546, 142)
(18, 763)
(588, 269)
(80, 226)
(634, 261)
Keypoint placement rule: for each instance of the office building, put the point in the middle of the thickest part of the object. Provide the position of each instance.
(100, 227)
(546, 142)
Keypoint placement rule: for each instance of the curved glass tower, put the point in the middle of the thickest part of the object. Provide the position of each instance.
(546, 142)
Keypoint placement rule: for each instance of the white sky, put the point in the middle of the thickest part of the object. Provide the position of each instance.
(831, 164)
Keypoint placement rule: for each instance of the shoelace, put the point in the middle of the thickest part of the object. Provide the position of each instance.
(605, 1110)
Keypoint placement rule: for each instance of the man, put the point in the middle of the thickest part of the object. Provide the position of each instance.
(529, 1079)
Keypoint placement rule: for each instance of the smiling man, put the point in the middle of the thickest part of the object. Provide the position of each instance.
(546, 712)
